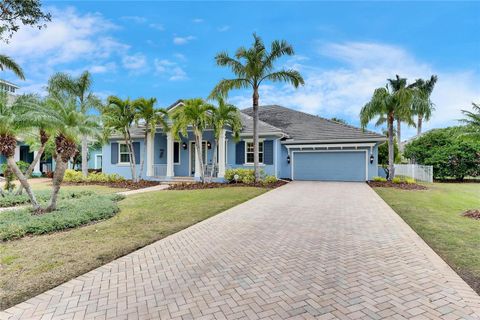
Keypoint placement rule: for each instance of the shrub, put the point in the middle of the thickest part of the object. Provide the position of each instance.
(77, 176)
(73, 176)
(402, 179)
(243, 174)
(270, 180)
(12, 200)
(10, 176)
(79, 209)
(379, 179)
(409, 180)
(397, 180)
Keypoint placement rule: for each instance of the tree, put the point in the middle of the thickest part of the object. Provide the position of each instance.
(11, 124)
(118, 116)
(14, 13)
(388, 104)
(152, 117)
(339, 120)
(7, 63)
(224, 115)
(80, 88)
(424, 107)
(401, 84)
(252, 67)
(195, 114)
(472, 119)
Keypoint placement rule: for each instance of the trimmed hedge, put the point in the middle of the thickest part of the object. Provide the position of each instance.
(77, 176)
(11, 200)
(75, 210)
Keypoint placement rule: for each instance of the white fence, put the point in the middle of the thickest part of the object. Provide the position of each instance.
(415, 171)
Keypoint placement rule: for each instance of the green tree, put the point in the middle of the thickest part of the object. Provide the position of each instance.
(424, 107)
(118, 116)
(80, 88)
(252, 67)
(398, 84)
(388, 104)
(224, 115)
(7, 63)
(195, 114)
(472, 119)
(152, 117)
(14, 13)
(339, 120)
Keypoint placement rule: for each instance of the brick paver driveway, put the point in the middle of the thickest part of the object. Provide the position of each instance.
(306, 250)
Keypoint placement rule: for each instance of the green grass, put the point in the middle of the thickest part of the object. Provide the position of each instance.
(435, 214)
(32, 265)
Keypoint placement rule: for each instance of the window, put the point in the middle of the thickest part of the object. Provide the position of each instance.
(124, 153)
(176, 152)
(249, 152)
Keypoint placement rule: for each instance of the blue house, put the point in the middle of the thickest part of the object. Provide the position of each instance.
(293, 145)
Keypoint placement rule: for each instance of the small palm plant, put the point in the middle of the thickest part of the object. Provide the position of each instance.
(253, 67)
(7, 63)
(196, 114)
(152, 117)
(224, 115)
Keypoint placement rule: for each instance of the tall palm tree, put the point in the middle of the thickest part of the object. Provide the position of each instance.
(424, 107)
(7, 63)
(252, 67)
(388, 104)
(224, 115)
(472, 119)
(12, 123)
(80, 88)
(118, 116)
(398, 84)
(195, 114)
(152, 117)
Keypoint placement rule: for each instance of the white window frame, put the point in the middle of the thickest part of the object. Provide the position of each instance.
(179, 144)
(120, 162)
(246, 151)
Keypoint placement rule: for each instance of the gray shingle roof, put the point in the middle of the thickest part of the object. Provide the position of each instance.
(303, 126)
(263, 127)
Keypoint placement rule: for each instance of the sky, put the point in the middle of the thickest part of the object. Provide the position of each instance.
(344, 50)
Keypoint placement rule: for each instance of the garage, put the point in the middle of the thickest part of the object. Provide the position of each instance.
(330, 165)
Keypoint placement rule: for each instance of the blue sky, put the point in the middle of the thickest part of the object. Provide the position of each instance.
(343, 49)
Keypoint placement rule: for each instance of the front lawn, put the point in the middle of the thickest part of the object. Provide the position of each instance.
(435, 214)
(35, 264)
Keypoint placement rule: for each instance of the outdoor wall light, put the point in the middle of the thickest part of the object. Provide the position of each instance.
(184, 146)
(209, 145)
(371, 158)
(288, 159)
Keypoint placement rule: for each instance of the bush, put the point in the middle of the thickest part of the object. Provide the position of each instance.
(12, 200)
(402, 179)
(379, 179)
(10, 176)
(77, 176)
(244, 175)
(397, 180)
(75, 210)
(270, 180)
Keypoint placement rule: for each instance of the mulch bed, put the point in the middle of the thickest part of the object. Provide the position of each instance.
(212, 185)
(403, 186)
(474, 214)
(127, 184)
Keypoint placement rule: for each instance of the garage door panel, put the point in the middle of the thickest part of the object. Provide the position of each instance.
(329, 166)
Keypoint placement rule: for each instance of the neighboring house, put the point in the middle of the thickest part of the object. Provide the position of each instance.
(293, 145)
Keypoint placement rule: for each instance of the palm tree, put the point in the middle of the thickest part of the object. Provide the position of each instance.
(252, 67)
(472, 118)
(195, 114)
(7, 63)
(388, 104)
(424, 107)
(152, 117)
(224, 115)
(396, 85)
(118, 116)
(80, 88)
(11, 123)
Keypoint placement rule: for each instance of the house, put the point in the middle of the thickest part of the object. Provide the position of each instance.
(293, 145)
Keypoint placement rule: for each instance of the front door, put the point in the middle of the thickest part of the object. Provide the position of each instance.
(192, 155)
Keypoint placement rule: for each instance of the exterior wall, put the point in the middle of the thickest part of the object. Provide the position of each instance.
(121, 169)
(92, 159)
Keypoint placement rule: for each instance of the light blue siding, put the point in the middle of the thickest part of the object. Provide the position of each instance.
(121, 169)
(92, 155)
(330, 165)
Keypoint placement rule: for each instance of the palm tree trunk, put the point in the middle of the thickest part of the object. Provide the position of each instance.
(133, 165)
(85, 156)
(419, 124)
(58, 175)
(399, 131)
(255, 134)
(23, 181)
(391, 156)
(214, 160)
(31, 167)
(199, 147)
(142, 161)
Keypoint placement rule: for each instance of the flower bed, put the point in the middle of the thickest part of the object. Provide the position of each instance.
(474, 214)
(398, 185)
(211, 185)
(126, 184)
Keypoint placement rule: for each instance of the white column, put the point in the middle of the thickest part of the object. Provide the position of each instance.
(149, 160)
(16, 156)
(36, 169)
(221, 154)
(197, 161)
(170, 172)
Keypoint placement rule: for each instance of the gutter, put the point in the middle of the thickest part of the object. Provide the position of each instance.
(293, 141)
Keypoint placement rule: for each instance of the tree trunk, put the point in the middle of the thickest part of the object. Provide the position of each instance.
(133, 165)
(142, 161)
(198, 147)
(23, 181)
(58, 175)
(419, 124)
(399, 131)
(255, 134)
(214, 160)
(391, 156)
(31, 167)
(85, 156)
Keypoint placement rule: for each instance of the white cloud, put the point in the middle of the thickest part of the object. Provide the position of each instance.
(223, 28)
(342, 91)
(134, 62)
(104, 68)
(197, 20)
(136, 19)
(157, 26)
(183, 40)
(169, 69)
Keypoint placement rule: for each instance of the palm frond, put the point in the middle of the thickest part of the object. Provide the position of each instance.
(290, 76)
(7, 63)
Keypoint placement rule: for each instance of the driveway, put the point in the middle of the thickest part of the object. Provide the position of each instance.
(306, 250)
